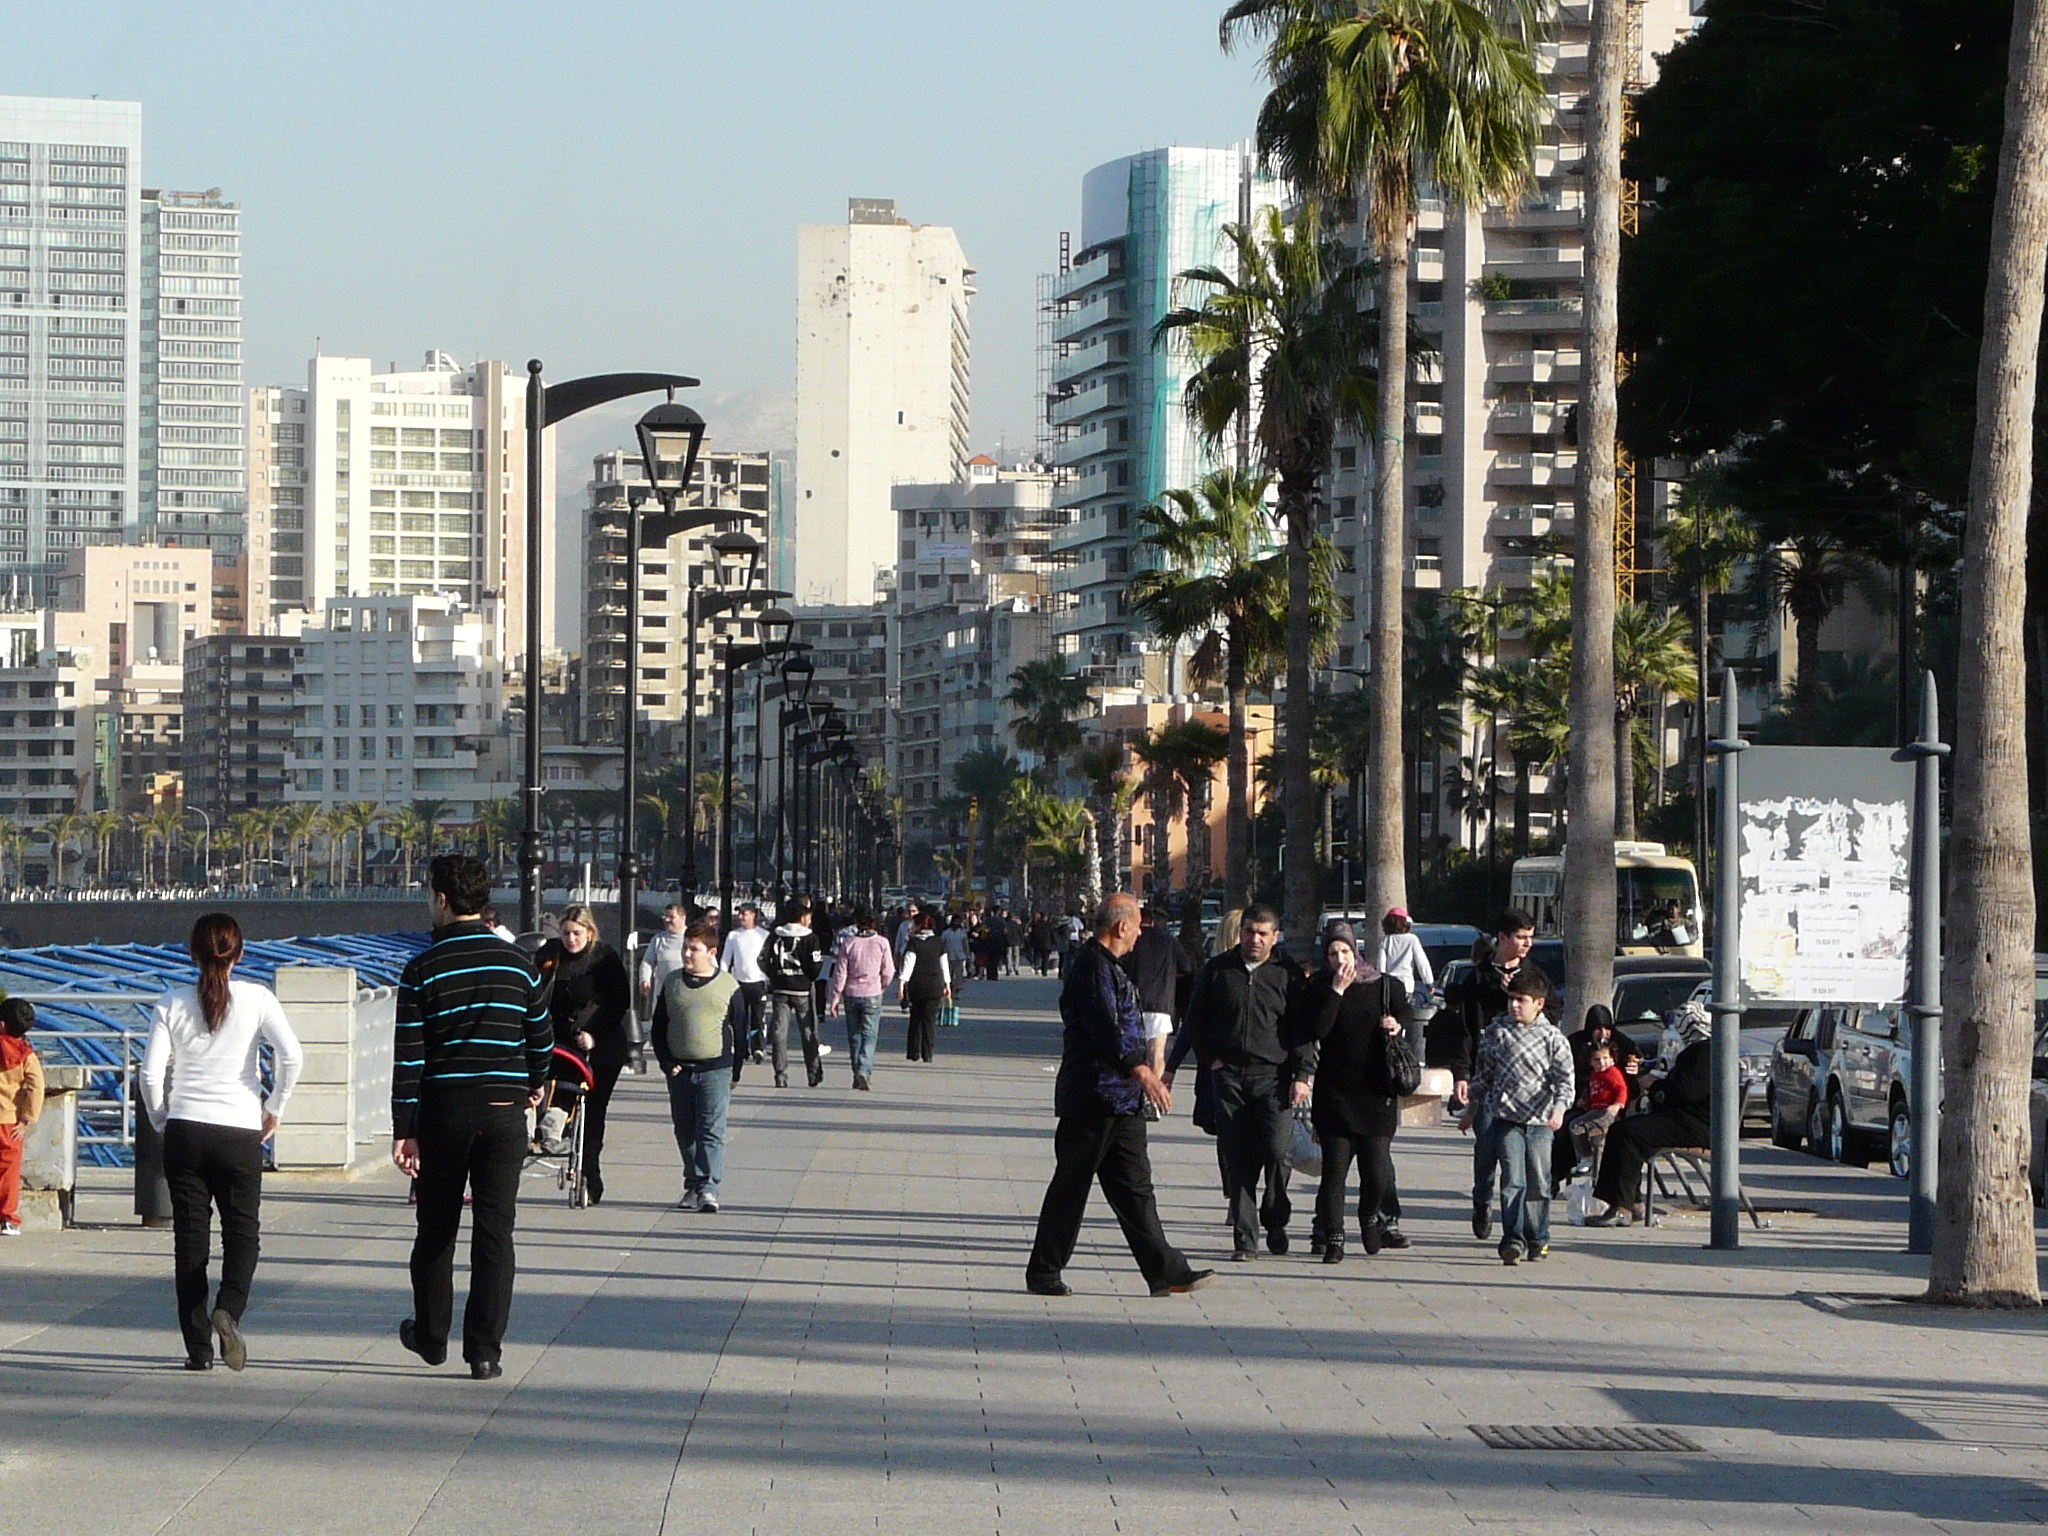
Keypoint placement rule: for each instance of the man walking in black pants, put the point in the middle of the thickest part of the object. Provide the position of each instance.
(471, 1052)
(1099, 1096)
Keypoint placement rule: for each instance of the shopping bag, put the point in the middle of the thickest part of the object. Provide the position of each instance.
(1579, 1202)
(1307, 1159)
(949, 1014)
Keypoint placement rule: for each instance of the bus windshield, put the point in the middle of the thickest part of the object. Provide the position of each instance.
(1655, 906)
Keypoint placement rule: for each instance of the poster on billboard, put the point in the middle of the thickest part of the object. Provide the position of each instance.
(1826, 874)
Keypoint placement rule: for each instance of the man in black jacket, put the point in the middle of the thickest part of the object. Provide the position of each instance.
(1234, 1023)
(472, 1048)
(1151, 967)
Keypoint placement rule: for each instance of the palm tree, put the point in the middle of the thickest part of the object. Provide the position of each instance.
(984, 776)
(500, 820)
(1102, 765)
(363, 818)
(1285, 332)
(413, 832)
(1651, 660)
(1807, 577)
(1159, 780)
(1529, 698)
(1180, 762)
(1370, 101)
(1703, 540)
(245, 829)
(1984, 1228)
(1222, 584)
(104, 825)
(1047, 696)
(300, 823)
(68, 828)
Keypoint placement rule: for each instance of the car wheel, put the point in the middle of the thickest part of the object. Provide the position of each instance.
(1781, 1135)
(1901, 1158)
(1819, 1137)
(1843, 1145)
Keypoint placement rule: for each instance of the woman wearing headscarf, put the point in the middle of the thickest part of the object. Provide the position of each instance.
(202, 1085)
(1679, 1115)
(1599, 1031)
(1350, 1012)
(588, 1004)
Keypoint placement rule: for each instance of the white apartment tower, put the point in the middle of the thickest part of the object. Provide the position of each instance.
(194, 465)
(71, 326)
(1117, 430)
(881, 387)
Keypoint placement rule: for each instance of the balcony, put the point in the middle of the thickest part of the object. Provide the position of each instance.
(1522, 570)
(1429, 264)
(1426, 417)
(1559, 469)
(1560, 208)
(1524, 418)
(1085, 446)
(1426, 572)
(1538, 263)
(1566, 59)
(1083, 360)
(1547, 366)
(1533, 314)
(1088, 402)
(1104, 264)
(1110, 309)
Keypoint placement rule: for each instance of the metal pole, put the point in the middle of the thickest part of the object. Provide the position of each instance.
(629, 853)
(1699, 721)
(1925, 1010)
(689, 748)
(1726, 1217)
(760, 778)
(728, 686)
(529, 837)
(781, 796)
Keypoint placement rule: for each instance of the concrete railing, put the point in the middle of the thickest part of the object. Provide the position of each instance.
(344, 1095)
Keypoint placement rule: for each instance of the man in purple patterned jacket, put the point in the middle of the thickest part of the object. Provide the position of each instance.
(1099, 1099)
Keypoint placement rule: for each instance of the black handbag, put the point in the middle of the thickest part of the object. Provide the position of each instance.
(1404, 1072)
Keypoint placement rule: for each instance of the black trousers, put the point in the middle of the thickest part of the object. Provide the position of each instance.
(481, 1148)
(1375, 1158)
(924, 1028)
(1255, 1138)
(756, 994)
(1109, 1148)
(595, 1107)
(1630, 1144)
(212, 1167)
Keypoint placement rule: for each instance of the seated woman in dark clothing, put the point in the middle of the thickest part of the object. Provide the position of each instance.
(1599, 1031)
(1351, 1011)
(1680, 1115)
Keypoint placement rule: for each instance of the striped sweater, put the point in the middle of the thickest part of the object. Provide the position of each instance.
(470, 1019)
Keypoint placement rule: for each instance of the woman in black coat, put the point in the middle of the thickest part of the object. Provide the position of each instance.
(589, 1000)
(1599, 1031)
(1351, 1011)
(1680, 1114)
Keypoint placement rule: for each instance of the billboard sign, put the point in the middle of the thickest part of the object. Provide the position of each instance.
(1826, 874)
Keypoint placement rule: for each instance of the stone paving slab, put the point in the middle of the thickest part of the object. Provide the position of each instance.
(848, 1348)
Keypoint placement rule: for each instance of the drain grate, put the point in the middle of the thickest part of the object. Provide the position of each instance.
(1583, 1437)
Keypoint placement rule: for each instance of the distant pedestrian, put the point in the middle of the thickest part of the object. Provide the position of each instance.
(742, 957)
(1152, 967)
(955, 936)
(1680, 1114)
(1104, 1081)
(663, 954)
(1522, 1083)
(699, 1022)
(1402, 956)
(472, 1051)
(202, 1086)
(21, 1103)
(791, 961)
(924, 985)
(863, 970)
(588, 998)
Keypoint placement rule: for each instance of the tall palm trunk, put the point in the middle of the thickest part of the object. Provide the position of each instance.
(1984, 1228)
(1589, 861)
(1625, 773)
(1237, 815)
(1806, 622)
(1162, 845)
(1386, 852)
(1302, 894)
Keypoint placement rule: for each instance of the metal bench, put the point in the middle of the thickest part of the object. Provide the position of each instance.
(1680, 1161)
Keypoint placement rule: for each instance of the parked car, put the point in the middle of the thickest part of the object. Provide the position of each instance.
(1648, 989)
(1763, 1026)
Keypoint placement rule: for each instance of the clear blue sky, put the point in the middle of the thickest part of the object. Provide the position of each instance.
(609, 185)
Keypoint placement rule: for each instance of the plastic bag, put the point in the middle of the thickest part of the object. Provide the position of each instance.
(1579, 1204)
(949, 1014)
(1307, 1159)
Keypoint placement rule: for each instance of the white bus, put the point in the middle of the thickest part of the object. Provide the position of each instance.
(1656, 899)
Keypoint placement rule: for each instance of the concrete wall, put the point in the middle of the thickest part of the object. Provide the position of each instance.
(24, 924)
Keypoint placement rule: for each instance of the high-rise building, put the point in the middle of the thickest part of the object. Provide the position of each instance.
(71, 332)
(1118, 431)
(239, 708)
(194, 434)
(412, 484)
(881, 387)
(274, 545)
(973, 584)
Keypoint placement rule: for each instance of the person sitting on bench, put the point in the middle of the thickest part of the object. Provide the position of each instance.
(1679, 1116)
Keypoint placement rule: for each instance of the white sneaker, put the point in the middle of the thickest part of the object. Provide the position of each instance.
(824, 1049)
(691, 1201)
(10, 1229)
(708, 1203)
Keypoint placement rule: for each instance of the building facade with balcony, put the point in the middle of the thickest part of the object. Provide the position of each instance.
(1118, 432)
(240, 705)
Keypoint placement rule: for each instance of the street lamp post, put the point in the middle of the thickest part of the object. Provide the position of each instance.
(699, 605)
(797, 672)
(735, 657)
(777, 624)
(546, 406)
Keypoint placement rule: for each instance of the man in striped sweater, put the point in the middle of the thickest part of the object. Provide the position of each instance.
(472, 1050)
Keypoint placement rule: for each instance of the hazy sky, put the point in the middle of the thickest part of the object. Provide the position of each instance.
(609, 185)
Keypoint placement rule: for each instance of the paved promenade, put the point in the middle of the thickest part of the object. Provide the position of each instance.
(848, 1347)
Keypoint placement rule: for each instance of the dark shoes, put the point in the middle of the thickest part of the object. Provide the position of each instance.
(1615, 1216)
(408, 1335)
(1373, 1238)
(1482, 1218)
(485, 1370)
(1243, 1255)
(593, 1190)
(1391, 1235)
(1048, 1287)
(1510, 1254)
(234, 1352)
(817, 1078)
(1197, 1278)
(1316, 1244)
(1276, 1240)
(782, 1079)
(860, 1083)
(199, 1362)
(1333, 1253)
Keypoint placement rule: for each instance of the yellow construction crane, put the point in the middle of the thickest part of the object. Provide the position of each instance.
(1631, 214)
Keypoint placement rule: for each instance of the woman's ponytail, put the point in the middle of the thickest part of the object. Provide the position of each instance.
(216, 946)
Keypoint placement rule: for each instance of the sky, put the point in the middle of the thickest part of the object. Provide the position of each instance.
(617, 186)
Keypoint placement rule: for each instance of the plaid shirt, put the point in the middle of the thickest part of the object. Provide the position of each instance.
(1524, 1075)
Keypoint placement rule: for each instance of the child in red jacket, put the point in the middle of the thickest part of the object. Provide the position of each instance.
(1606, 1097)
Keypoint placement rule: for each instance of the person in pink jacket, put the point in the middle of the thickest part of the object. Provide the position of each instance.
(863, 966)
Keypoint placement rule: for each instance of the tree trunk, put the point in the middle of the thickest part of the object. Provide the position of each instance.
(1521, 808)
(1302, 890)
(1385, 841)
(1237, 816)
(1984, 1221)
(1624, 775)
(1589, 861)
(1806, 622)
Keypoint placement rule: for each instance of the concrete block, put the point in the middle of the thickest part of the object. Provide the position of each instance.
(322, 1023)
(315, 984)
(314, 1146)
(63, 1076)
(326, 1064)
(320, 1104)
(45, 1210)
(49, 1156)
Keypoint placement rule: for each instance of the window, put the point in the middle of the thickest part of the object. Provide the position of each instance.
(394, 714)
(394, 747)
(366, 748)
(366, 715)
(312, 780)
(341, 749)
(341, 716)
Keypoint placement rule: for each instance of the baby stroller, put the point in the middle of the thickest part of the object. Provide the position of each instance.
(558, 1124)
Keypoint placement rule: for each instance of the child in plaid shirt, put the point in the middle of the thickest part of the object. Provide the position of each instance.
(1524, 1080)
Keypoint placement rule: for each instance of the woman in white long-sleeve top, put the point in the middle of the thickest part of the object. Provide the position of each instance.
(202, 1084)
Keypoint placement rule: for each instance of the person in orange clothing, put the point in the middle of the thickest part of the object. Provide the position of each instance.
(21, 1101)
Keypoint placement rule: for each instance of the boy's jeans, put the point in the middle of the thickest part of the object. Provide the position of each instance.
(863, 1028)
(1524, 1184)
(1485, 1154)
